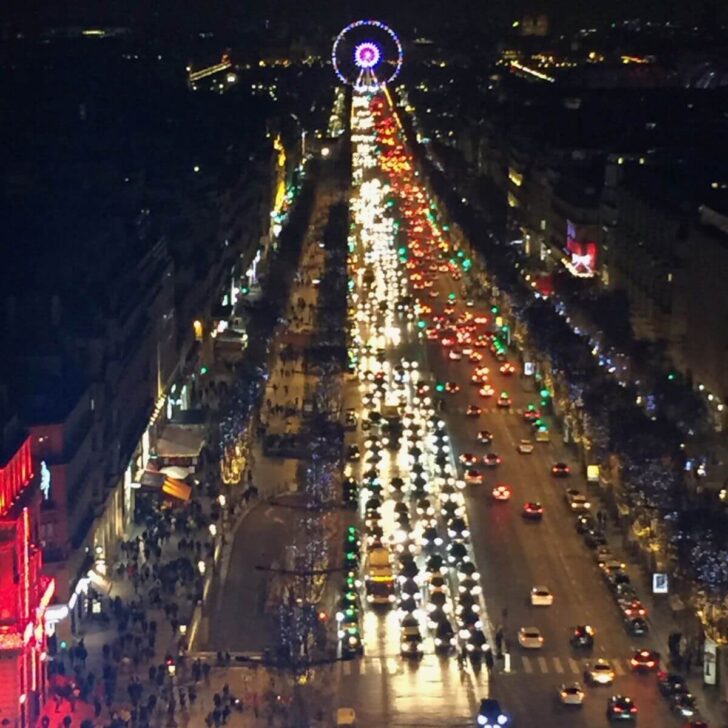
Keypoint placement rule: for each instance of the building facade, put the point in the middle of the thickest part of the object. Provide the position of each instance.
(25, 592)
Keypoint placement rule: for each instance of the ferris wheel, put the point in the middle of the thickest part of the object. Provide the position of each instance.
(367, 55)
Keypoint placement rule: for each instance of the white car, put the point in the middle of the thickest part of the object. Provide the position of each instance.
(577, 501)
(530, 638)
(525, 447)
(571, 694)
(541, 597)
(599, 672)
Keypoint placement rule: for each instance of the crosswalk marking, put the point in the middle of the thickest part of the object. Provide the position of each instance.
(540, 664)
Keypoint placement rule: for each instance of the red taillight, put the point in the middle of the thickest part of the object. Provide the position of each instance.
(633, 709)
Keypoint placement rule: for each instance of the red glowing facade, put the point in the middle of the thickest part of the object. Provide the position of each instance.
(25, 594)
(15, 476)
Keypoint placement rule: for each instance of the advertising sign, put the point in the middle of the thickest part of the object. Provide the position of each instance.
(659, 583)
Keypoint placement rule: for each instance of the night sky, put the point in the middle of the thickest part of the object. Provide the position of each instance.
(422, 15)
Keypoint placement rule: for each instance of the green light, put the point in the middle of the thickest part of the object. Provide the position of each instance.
(544, 393)
(531, 407)
(402, 250)
(422, 324)
(461, 254)
(671, 376)
(245, 290)
(543, 428)
(451, 297)
(467, 263)
(439, 387)
(203, 370)
(494, 309)
(543, 403)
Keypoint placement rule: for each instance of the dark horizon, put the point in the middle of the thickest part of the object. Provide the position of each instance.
(563, 15)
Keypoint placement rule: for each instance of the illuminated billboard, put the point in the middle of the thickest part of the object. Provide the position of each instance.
(581, 256)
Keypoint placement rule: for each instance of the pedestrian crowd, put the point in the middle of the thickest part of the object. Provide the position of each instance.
(127, 688)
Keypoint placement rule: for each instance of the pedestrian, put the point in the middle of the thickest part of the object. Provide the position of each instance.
(499, 642)
(489, 662)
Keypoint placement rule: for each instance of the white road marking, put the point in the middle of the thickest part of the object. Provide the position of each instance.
(558, 666)
(543, 665)
(574, 665)
(527, 666)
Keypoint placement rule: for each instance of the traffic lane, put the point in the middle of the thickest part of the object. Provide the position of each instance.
(579, 560)
(561, 561)
(240, 620)
(533, 701)
(394, 691)
(564, 562)
(549, 552)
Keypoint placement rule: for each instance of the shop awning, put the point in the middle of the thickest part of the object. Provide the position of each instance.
(180, 444)
(177, 471)
(176, 489)
(100, 581)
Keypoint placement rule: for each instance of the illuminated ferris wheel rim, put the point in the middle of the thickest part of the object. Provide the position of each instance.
(367, 55)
